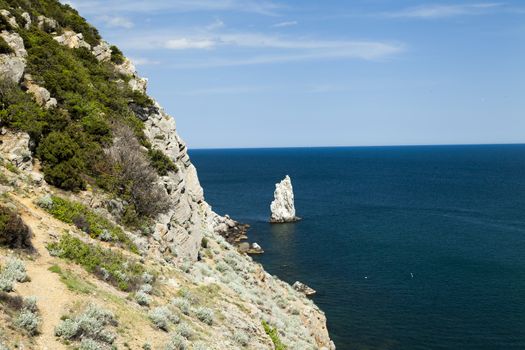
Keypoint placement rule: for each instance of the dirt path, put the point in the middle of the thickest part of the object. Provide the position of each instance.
(52, 295)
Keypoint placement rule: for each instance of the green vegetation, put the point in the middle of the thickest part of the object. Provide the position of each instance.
(4, 47)
(92, 328)
(274, 336)
(86, 220)
(13, 232)
(161, 162)
(117, 56)
(109, 265)
(65, 15)
(72, 282)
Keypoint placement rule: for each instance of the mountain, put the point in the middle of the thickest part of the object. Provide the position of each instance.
(106, 240)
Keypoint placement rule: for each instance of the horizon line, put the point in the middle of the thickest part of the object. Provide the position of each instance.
(358, 146)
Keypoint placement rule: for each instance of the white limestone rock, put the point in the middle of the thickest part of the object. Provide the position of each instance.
(283, 207)
(47, 24)
(12, 65)
(42, 95)
(9, 18)
(27, 18)
(136, 82)
(15, 147)
(72, 40)
(102, 51)
(303, 288)
(15, 42)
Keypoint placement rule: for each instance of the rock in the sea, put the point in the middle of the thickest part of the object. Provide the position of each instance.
(303, 288)
(283, 207)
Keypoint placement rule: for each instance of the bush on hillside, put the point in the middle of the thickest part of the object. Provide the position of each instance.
(117, 56)
(86, 220)
(91, 326)
(108, 265)
(161, 162)
(62, 165)
(14, 233)
(135, 180)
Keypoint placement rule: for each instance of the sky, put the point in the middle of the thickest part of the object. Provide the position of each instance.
(290, 73)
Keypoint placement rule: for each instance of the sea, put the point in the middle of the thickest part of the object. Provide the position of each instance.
(419, 247)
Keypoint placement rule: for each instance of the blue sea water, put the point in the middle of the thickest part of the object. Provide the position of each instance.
(408, 247)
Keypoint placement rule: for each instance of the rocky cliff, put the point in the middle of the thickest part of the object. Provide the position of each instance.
(180, 285)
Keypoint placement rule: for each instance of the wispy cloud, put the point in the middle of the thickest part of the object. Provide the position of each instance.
(217, 24)
(116, 22)
(142, 61)
(430, 11)
(264, 7)
(373, 52)
(285, 24)
(189, 43)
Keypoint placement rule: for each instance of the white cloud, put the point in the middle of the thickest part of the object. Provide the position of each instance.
(364, 51)
(264, 7)
(217, 24)
(189, 43)
(430, 11)
(116, 22)
(285, 24)
(142, 61)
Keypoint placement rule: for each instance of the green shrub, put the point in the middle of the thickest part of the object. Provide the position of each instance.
(86, 220)
(28, 321)
(241, 338)
(161, 162)
(274, 336)
(162, 317)
(62, 165)
(108, 265)
(13, 232)
(205, 315)
(117, 56)
(176, 342)
(91, 326)
(19, 111)
(4, 46)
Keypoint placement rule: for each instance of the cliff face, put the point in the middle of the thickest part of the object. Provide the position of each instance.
(237, 292)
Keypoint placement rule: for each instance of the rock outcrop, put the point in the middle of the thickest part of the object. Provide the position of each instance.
(9, 18)
(15, 146)
(72, 40)
(12, 65)
(283, 207)
(42, 95)
(303, 288)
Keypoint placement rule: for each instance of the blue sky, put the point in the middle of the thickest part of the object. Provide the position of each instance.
(245, 73)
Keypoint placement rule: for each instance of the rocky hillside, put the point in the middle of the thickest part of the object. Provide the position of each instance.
(106, 240)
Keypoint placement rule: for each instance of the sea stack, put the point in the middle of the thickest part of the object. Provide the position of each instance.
(282, 207)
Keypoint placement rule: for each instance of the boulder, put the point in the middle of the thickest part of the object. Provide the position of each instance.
(303, 288)
(283, 207)
(42, 95)
(15, 148)
(102, 51)
(9, 18)
(15, 41)
(12, 68)
(72, 40)
(47, 24)
(27, 18)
